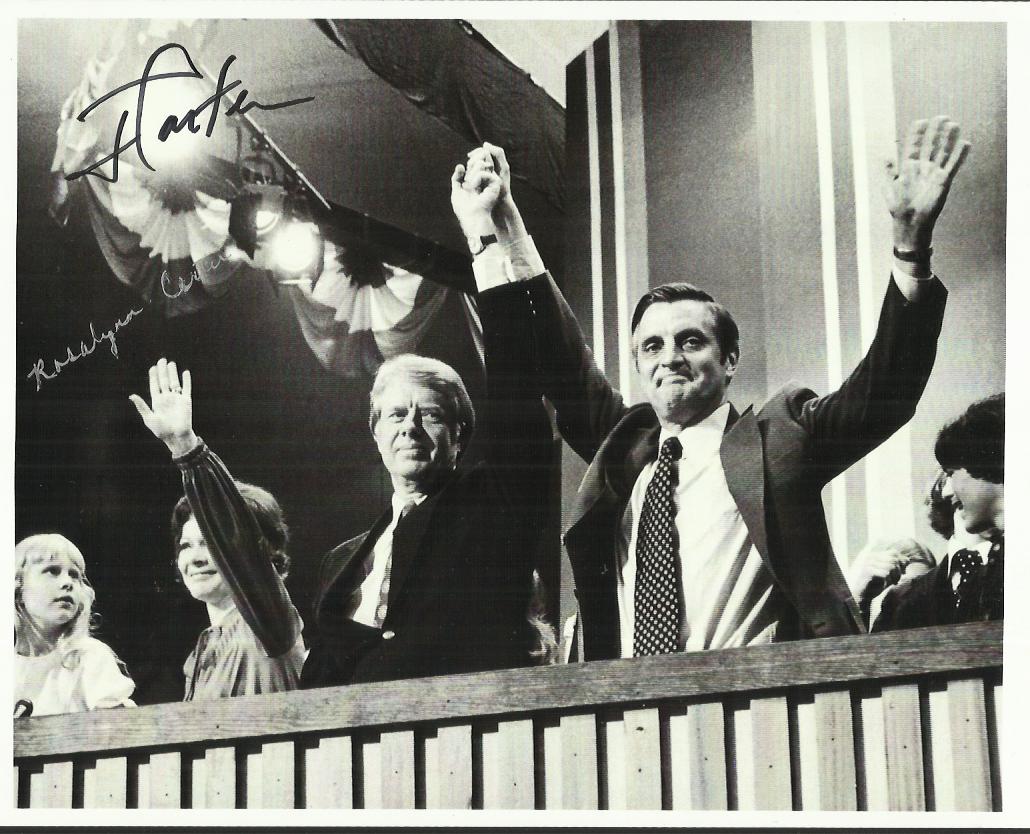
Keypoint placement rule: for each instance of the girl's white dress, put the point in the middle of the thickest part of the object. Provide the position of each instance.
(90, 677)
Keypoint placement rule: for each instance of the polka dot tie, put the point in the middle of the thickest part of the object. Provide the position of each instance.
(656, 599)
(967, 565)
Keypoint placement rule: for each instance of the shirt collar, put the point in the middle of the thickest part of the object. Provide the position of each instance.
(703, 436)
(399, 502)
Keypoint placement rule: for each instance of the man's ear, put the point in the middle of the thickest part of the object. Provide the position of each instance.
(730, 362)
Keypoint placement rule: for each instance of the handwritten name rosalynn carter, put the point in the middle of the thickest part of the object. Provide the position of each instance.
(39, 372)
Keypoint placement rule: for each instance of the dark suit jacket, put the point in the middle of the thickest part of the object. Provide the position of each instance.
(776, 460)
(462, 562)
(929, 600)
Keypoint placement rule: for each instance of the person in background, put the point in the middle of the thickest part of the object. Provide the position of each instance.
(967, 585)
(881, 565)
(696, 526)
(58, 666)
(230, 543)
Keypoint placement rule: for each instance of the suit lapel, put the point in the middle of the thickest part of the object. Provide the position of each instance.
(743, 463)
(347, 575)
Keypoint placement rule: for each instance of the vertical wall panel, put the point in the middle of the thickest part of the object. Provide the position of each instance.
(508, 766)
(697, 754)
(632, 277)
(328, 774)
(453, 773)
(398, 769)
(277, 775)
(643, 759)
(51, 786)
(105, 784)
(579, 761)
(770, 745)
(835, 742)
(219, 786)
(903, 736)
(164, 781)
(968, 719)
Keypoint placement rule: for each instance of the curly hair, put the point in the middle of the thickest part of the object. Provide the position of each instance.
(975, 441)
(940, 509)
(266, 511)
(46, 547)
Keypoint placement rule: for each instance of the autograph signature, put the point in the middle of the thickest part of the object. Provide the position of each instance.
(171, 124)
(39, 372)
(186, 284)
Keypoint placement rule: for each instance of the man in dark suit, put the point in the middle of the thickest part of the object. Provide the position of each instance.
(698, 527)
(441, 582)
(968, 585)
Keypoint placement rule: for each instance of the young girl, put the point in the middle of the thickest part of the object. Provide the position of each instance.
(230, 541)
(58, 667)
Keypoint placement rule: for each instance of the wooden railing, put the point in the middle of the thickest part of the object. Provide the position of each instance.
(905, 721)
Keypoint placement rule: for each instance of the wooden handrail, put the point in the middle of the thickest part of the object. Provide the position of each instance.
(806, 663)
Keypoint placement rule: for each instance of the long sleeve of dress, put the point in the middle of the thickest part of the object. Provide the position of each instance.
(239, 550)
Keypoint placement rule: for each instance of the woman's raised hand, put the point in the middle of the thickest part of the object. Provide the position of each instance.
(170, 413)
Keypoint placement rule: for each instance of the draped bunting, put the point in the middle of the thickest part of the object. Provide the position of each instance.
(166, 235)
(449, 70)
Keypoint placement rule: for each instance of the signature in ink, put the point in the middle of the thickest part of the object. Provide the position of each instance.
(39, 372)
(186, 284)
(172, 124)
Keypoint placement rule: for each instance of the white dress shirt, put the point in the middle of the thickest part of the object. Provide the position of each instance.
(370, 598)
(726, 592)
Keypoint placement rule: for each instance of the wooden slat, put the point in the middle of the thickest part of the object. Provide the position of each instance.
(578, 685)
(939, 766)
(903, 736)
(277, 775)
(165, 780)
(453, 774)
(329, 774)
(874, 751)
(51, 787)
(549, 784)
(371, 756)
(220, 777)
(707, 756)
(397, 769)
(508, 767)
(835, 746)
(613, 766)
(770, 750)
(578, 761)
(643, 754)
(970, 756)
(104, 786)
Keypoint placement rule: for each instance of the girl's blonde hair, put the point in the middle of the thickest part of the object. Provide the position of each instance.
(45, 547)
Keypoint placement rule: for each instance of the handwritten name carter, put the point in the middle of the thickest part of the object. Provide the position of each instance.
(39, 372)
(172, 124)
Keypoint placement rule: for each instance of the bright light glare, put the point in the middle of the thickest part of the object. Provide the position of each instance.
(297, 247)
(174, 97)
(265, 220)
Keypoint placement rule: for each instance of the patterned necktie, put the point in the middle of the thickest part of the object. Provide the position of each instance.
(969, 568)
(656, 602)
(384, 590)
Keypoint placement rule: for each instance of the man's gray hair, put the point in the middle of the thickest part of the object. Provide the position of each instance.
(437, 376)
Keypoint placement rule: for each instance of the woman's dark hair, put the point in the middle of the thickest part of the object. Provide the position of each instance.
(267, 513)
(976, 441)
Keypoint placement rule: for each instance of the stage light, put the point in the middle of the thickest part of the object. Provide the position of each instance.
(167, 101)
(297, 251)
(254, 213)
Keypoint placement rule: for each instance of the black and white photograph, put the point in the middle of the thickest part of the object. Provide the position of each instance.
(566, 410)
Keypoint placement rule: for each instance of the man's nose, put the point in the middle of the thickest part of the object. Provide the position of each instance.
(412, 420)
(671, 356)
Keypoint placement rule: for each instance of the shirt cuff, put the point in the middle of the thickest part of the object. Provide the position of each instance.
(909, 277)
(501, 263)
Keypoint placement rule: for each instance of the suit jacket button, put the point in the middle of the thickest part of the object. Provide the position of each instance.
(388, 635)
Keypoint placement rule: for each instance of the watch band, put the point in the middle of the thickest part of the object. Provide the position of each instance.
(484, 241)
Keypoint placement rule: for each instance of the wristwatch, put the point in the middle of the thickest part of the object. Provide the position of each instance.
(478, 245)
